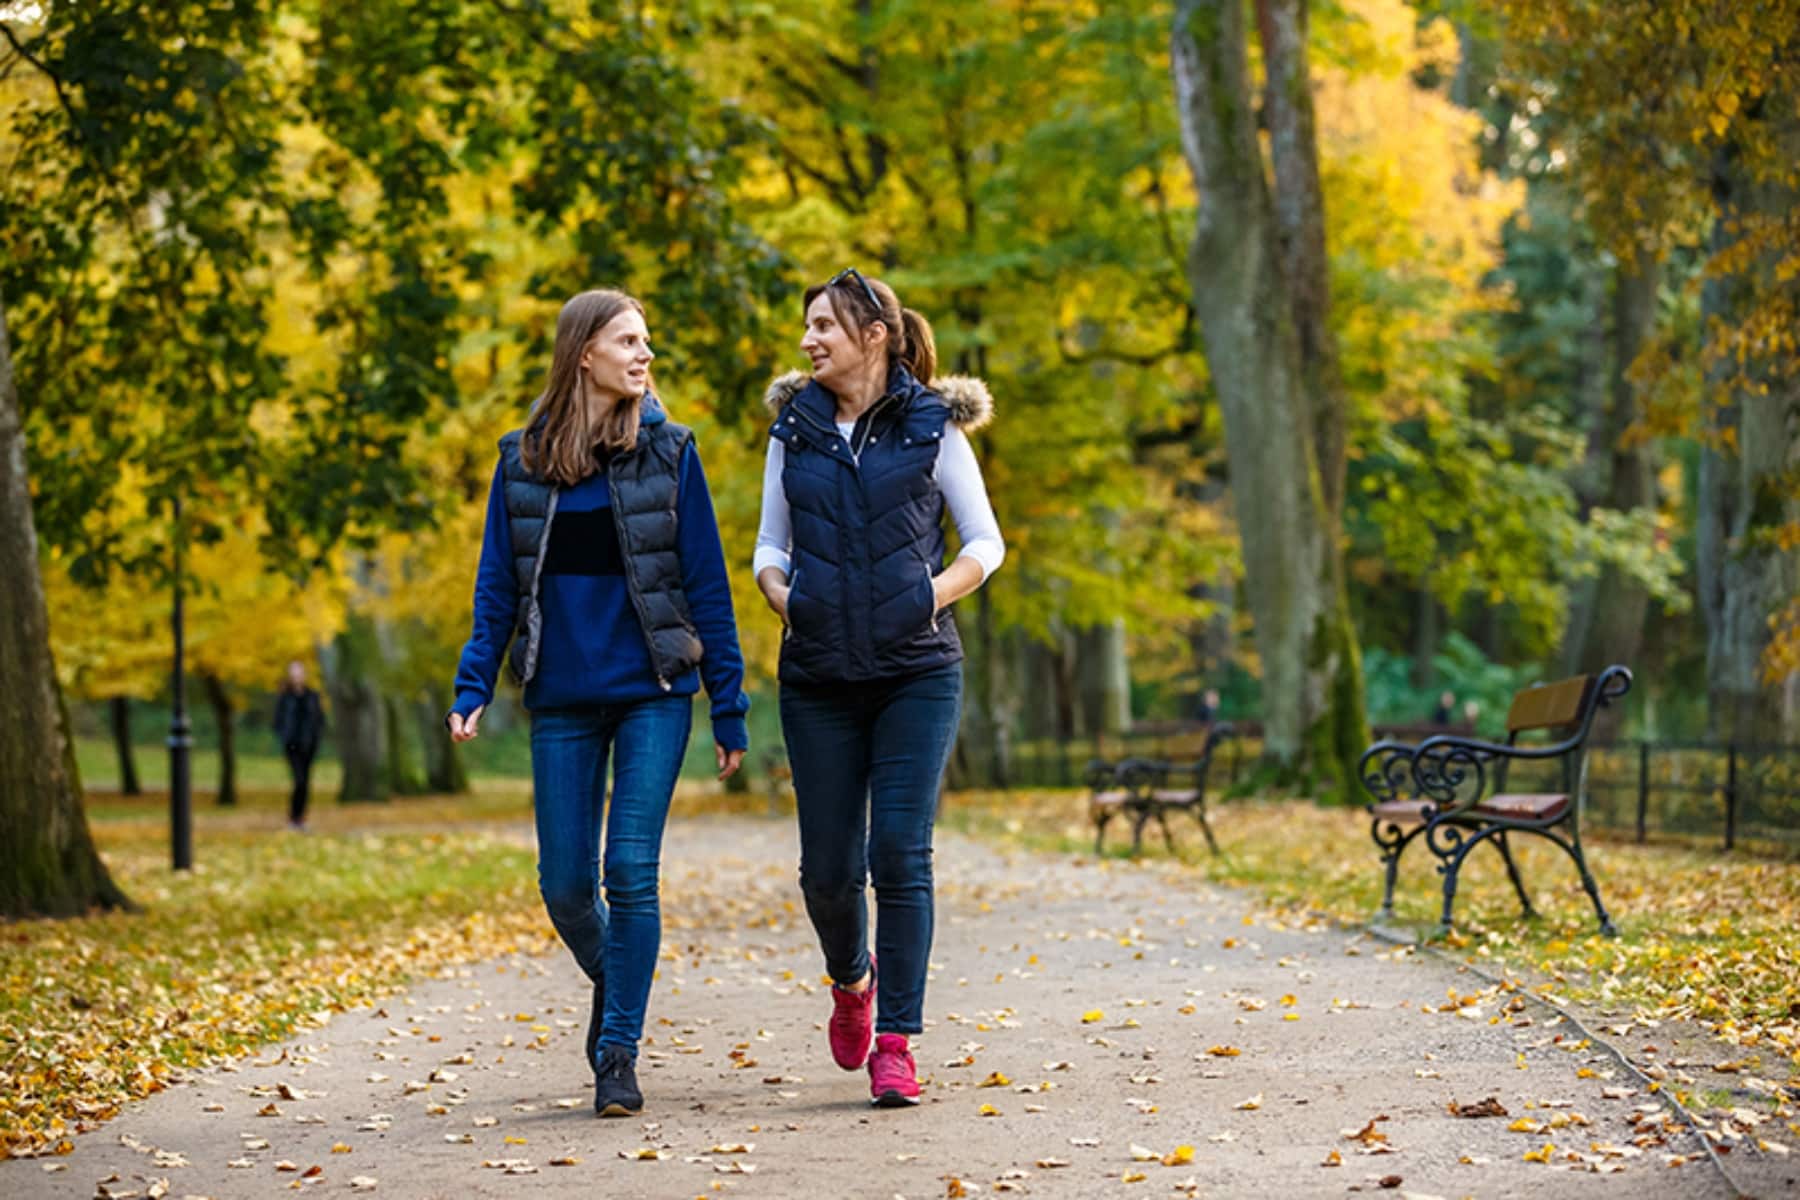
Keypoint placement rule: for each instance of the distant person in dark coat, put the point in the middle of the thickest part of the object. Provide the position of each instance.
(1445, 712)
(1208, 708)
(299, 722)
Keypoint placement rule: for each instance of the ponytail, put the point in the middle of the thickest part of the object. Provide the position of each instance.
(915, 347)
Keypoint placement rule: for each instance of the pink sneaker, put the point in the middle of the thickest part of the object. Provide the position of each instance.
(893, 1079)
(852, 1023)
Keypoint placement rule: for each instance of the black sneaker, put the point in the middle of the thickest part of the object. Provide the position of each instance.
(593, 1033)
(615, 1084)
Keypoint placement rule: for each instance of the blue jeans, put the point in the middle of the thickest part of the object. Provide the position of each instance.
(868, 762)
(614, 939)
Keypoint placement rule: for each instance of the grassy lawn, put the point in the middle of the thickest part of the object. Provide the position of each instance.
(1706, 936)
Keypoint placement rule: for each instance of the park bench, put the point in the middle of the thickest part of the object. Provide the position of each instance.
(1146, 789)
(1451, 789)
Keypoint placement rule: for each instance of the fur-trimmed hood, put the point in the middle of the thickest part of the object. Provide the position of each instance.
(971, 404)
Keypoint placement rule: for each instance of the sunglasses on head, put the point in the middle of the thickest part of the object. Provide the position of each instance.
(853, 273)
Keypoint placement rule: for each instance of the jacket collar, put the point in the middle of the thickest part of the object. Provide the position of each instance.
(971, 404)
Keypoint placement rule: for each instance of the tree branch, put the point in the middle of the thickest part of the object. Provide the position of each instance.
(55, 80)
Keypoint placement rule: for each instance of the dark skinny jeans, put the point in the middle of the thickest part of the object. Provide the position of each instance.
(868, 761)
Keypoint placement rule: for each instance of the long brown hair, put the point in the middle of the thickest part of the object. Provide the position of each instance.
(562, 435)
(909, 334)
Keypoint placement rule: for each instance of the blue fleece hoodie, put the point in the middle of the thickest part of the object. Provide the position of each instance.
(592, 649)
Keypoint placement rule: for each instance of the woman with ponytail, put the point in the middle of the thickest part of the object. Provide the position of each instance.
(866, 456)
(602, 565)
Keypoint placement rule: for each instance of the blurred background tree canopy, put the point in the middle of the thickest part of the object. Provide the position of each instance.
(297, 265)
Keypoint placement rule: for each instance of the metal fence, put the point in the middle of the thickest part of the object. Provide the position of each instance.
(1726, 794)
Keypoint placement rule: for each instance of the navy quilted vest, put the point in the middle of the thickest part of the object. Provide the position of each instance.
(868, 535)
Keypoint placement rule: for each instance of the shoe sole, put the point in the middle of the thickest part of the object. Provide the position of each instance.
(893, 1099)
(619, 1110)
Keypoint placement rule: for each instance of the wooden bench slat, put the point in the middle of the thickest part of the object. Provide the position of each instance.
(1545, 806)
(1411, 811)
(1548, 706)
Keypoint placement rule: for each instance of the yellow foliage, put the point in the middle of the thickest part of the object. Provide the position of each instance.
(244, 621)
(1406, 201)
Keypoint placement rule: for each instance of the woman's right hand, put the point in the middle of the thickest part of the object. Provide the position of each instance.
(461, 729)
(775, 589)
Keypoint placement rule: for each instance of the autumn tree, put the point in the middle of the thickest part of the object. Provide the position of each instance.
(1014, 172)
(1686, 131)
(1256, 265)
(49, 864)
(129, 270)
(485, 171)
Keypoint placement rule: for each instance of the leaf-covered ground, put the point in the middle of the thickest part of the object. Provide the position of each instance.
(1708, 937)
(1091, 1028)
(270, 933)
(274, 931)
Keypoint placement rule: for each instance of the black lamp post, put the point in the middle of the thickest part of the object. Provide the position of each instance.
(181, 742)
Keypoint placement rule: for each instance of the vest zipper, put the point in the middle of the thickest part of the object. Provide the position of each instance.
(537, 574)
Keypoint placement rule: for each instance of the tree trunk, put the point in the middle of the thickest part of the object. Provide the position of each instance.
(1746, 575)
(48, 863)
(1210, 643)
(444, 773)
(403, 775)
(1038, 676)
(1059, 657)
(1299, 210)
(1313, 710)
(357, 716)
(1004, 695)
(1105, 676)
(223, 714)
(1428, 631)
(1607, 626)
(119, 714)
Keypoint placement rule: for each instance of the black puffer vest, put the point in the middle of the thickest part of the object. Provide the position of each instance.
(643, 483)
(867, 537)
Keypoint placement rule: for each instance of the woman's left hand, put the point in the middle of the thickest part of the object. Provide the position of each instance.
(729, 761)
(954, 582)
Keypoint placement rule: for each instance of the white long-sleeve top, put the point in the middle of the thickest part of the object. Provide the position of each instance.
(958, 477)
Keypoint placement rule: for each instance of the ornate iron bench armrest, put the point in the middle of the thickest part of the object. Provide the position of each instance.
(1100, 775)
(1453, 771)
(1386, 770)
(1140, 776)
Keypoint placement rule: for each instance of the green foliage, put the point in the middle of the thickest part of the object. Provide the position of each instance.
(184, 180)
(1016, 176)
(139, 184)
(1462, 669)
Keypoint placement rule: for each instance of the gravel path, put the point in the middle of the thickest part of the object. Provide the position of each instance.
(1086, 1021)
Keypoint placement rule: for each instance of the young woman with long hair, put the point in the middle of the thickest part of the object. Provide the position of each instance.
(601, 564)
